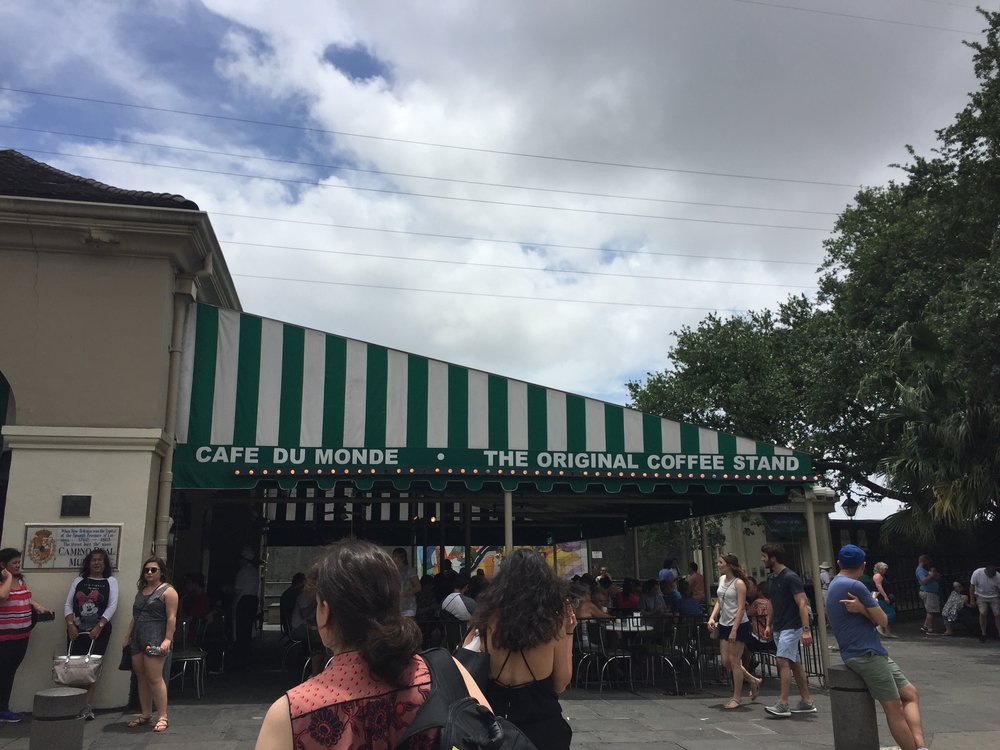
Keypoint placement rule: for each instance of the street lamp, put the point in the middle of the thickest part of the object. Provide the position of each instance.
(850, 506)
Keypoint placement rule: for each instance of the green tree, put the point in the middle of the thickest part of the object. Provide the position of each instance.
(891, 377)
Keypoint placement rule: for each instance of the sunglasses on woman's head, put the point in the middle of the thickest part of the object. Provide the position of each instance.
(150, 570)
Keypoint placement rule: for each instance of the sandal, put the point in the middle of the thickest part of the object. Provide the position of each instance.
(732, 705)
(755, 688)
(138, 721)
(161, 724)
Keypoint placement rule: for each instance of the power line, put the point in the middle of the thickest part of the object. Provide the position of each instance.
(384, 173)
(387, 191)
(853, 16)
(641, 277)
(486, 294)
(499, 152)
(522, 243)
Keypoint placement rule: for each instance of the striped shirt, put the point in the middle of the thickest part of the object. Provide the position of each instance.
(15, 615)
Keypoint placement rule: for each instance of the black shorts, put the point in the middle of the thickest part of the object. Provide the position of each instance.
(81, 644)
(742, 632)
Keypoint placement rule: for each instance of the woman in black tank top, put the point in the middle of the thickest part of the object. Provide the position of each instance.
(528, 624)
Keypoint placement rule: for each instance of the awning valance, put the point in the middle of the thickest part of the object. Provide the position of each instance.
(261, 399)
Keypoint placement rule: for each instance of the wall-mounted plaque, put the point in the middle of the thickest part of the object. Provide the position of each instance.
(64, 546)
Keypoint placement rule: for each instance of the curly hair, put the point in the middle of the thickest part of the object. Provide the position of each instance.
(524, 605)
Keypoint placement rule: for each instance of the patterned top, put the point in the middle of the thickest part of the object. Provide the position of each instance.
(15, 614)
(345, 707)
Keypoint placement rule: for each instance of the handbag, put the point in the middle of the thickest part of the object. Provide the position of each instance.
(475, 659)
(77, 671)
(125, 665)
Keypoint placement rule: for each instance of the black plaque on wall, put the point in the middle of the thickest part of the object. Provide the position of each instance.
(75, 506)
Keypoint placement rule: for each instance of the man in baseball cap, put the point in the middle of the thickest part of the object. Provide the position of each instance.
(853, 615)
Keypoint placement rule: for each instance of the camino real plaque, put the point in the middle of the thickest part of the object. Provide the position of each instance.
(64, 546)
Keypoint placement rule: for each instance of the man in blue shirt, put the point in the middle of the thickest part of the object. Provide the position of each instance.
(930, 591)
(853, 615)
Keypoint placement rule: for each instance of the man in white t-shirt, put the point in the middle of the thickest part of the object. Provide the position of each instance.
(985, 592)
(457, 603)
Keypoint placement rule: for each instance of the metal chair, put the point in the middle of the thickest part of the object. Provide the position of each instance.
(190, 656)
(588, 644)
(668, 647)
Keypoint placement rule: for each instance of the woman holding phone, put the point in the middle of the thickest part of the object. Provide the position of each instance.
(16, 607)
(149, 638)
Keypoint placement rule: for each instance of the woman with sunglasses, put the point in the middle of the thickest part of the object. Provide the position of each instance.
(90, 605)
(149, 637)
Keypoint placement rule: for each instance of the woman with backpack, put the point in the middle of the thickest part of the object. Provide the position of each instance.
(525, 623)
(375, 683)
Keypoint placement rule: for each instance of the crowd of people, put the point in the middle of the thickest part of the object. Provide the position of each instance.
(367, 607)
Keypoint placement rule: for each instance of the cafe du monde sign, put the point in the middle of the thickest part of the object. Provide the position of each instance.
(257, 461)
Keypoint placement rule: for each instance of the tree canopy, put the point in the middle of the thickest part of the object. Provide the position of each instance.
(891, 375)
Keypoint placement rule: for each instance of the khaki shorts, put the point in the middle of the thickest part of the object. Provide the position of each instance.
(881, 674)
(932, 602)
(985, 605)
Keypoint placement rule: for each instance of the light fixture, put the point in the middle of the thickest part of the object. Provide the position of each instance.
(850, 506)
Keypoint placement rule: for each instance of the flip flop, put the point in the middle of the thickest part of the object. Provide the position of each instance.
(755, 689)
(733, 705)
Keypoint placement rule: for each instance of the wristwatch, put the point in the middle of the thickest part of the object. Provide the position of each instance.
(807, 630)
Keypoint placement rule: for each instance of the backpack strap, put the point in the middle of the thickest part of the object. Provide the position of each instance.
(447, 687)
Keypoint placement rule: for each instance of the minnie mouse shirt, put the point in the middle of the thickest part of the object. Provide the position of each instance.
(90, 599)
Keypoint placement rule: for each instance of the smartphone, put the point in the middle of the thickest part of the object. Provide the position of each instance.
(154, 650)
(45, 616)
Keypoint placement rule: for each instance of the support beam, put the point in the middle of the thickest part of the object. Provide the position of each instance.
(508, 522)
(824, 652)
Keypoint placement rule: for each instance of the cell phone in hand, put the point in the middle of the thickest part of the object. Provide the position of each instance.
(45, 616)
(154, 650)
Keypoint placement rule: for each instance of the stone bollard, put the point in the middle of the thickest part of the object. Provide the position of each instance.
(55, 721)
(852, 708)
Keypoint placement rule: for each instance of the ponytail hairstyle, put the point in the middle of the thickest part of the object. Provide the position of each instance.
(734, 566)
(361, 585)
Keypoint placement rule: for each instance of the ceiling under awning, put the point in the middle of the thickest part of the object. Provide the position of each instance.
(262, 400)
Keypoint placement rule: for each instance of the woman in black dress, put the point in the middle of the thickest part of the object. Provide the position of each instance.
(528, 624)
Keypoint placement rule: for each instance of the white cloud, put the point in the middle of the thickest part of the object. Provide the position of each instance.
(712, 86)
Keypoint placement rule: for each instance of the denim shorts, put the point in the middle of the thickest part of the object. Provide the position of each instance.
(881, 674)
(787, 642)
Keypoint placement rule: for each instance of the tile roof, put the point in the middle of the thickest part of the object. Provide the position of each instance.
(23, 177)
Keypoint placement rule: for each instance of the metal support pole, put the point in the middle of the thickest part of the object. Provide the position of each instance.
(824, 652)
(635, 551)
(467, 528)
(508, 522)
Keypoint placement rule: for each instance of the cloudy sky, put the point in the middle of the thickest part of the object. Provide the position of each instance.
(543, 190)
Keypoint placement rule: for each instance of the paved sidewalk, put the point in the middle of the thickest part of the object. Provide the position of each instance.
(958, 678)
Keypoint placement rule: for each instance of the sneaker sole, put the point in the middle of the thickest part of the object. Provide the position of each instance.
(804, 710)
(779, 715)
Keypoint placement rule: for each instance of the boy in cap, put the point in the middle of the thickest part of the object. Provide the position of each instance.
(854, 615)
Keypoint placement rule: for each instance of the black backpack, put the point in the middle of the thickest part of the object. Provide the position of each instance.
(463, 723)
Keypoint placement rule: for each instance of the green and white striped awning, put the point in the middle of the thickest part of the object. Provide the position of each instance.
(260, 399)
